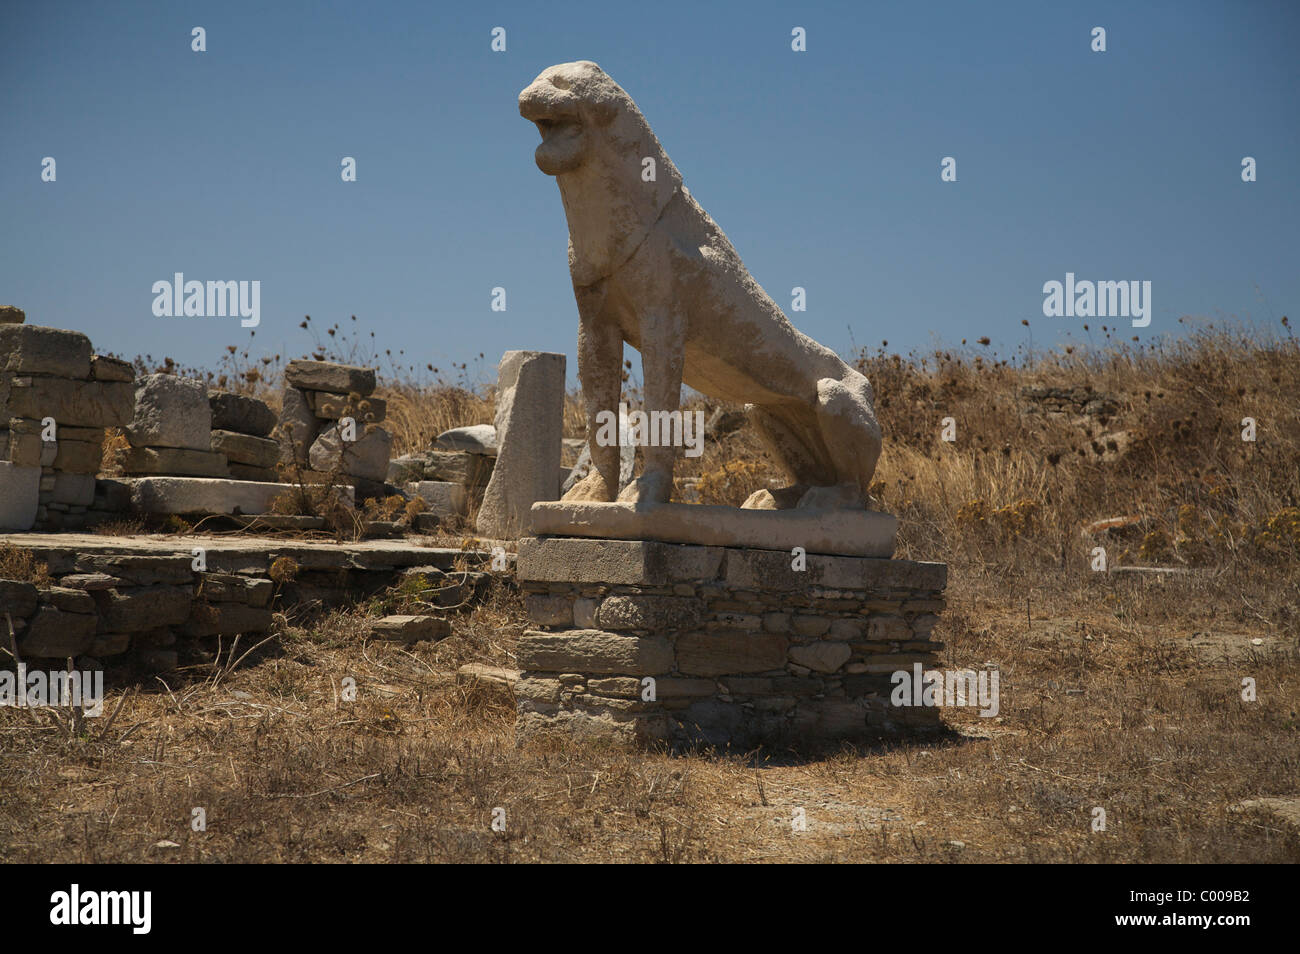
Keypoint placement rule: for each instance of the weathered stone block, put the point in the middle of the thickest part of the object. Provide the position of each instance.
(574, 560)
(263, 475)
(170, 411)
(529, 431)
(444, 499)
(232, 588)
(593, 651)
(810, 625)
(888, 628)
(727, 652)
(240, 414)
(77, 403)
(78, 457)
(105, 368)
(174, 462)
(623, 687)
(771, 570)
(146, 607)
(649, 612)
(17, 598)
(474, 438)
(109, 644)
(246, 449)
(329, 376)
(20, 491)
(367, 456)
(74, 489)
(53, 633)
(459, 467)
(137, 568)
(298, 426)
(821, 656)
(410, 629)
(204, 495)
(68, 599)
(34, 349)
(550, 610)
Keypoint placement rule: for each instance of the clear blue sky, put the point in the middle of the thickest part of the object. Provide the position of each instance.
(822, 167)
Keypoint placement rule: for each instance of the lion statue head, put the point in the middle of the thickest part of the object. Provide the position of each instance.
(614, 177)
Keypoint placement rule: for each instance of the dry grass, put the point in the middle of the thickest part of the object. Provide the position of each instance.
(1111, 707)
(1117, 692)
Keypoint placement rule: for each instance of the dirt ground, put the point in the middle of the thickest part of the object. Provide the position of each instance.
(1117, 693)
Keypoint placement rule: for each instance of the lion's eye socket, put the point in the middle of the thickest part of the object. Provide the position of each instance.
(559, 82)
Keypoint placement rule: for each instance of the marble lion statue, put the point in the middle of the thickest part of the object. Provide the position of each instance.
(651, 268)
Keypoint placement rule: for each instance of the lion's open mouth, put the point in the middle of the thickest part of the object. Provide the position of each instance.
(557, 131)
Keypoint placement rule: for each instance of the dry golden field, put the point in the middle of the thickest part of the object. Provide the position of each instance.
(1120, 691)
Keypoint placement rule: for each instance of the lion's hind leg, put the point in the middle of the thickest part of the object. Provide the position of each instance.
(851, 435)
(791, 436)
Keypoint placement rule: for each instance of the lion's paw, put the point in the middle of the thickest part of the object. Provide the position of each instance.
(650, 487)
(592, 488)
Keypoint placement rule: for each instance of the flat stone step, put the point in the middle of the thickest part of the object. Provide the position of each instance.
(208, 495)
(862, 533)
(67, 552)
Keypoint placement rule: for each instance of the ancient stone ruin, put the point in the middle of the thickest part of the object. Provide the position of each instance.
(161, 601)
(56, 399)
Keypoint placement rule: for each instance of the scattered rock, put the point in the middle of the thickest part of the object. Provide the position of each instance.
(495, 677)
(445, 499)
(410, 629)
(475, 438)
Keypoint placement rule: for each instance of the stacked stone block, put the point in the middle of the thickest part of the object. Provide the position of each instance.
(114, 604)
(452, 476)
(171, 432)
(114, 599)
(56, 399)
(241, 432)
(318, 396)
(741, 647)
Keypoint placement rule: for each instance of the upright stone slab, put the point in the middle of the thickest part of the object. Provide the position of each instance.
(298, 427)
(648, 641)
(529, 433)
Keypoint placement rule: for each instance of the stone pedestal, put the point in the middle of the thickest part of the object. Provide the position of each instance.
(649, 641)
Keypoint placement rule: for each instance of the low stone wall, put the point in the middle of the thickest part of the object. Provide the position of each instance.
(110, 597)
(739, 646)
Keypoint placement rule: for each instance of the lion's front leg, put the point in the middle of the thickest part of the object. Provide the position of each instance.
(663, 338)
(600, 371)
